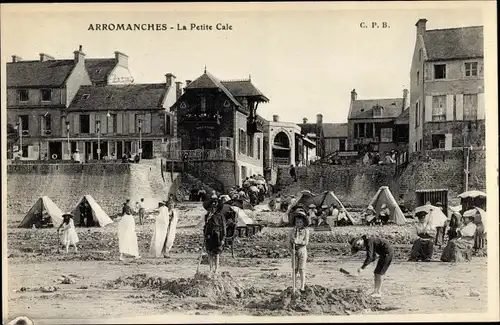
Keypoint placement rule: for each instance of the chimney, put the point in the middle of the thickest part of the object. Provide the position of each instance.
(45, 57)
(304, 120)
(421, 26)
(405, 99)
(188, 82)
(121, 58)
(170, 79)
(276, 118)
(319, 119)
(79, 55)
(178, 90)
(16, 58)
(354, 95)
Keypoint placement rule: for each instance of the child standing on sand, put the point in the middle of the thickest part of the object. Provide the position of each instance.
(373, 246)
(298, 239)
(69, 235)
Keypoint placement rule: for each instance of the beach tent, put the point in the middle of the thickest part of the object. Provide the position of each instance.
(384, 196)
(100, 217)
(33, 215)
(327, 198)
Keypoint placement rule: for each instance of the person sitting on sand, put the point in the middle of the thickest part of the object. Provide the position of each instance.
(373, 246)
(385, 214)
(214, 233)
(69, 235)
(127, 238)
(298, 239)
(460, 248)
(423, 247)
(368, 216)
(312, 212)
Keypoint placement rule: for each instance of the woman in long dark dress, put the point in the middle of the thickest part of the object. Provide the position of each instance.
(214, 233)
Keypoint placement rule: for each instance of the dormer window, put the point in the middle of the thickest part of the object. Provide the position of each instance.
(86, 96)
(377, 111)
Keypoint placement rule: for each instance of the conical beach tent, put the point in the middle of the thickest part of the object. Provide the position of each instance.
(99, 217)
(384, 196)
(35, 213)
(327, 198)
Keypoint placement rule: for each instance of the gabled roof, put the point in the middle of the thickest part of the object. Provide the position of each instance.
(335, 130)
(243, 88)
(52, 73)
(363, 109)
(454, 43)
(119, 97)
(208, 81)
(307, 128)
(99, 69)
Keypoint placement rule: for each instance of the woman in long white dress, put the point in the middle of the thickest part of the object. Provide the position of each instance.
(172, 227)
(127, 238)
(160, 232)
(68, 235)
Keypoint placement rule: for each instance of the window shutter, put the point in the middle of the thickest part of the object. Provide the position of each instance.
(92, 119)
(449, 107)
(110, 124)
(480, 106)
(448, 141)
(131, 121)
(119, 123)
(104, 123)
(428, 109)
(147, 123)
(125, 123)
(76, 124)
(460, 107)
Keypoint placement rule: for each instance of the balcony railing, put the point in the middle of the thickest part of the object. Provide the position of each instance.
(199, 154)
(277, 161)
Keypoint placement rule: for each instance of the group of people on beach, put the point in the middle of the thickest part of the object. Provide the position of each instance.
(163, 232)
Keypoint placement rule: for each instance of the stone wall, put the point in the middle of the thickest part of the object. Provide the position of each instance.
(65, 184)
(224, 171)
(356, 185)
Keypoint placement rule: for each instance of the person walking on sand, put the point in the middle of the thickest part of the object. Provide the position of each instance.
(127, 238)
(160, 232)
(214, 233)
(298, 239)
(172, 227)
(141, 210)
(69, 235)
(373, 246)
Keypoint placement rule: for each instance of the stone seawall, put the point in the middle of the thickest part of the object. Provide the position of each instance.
(65, 184)
(356, 185)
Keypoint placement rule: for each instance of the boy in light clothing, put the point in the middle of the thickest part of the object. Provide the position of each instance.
(298, 239)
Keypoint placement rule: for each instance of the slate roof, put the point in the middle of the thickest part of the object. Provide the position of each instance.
(307, 128)
(454, 43)
(404, 118)
(243, 88)
(119, 97)
(363, 109)
(208, 81)
(335, 130)
(232, 89)
(52, 73)
(99, 69)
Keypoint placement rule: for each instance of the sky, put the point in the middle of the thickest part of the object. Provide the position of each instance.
(306, 62)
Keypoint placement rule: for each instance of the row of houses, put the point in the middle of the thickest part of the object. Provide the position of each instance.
(55, 107)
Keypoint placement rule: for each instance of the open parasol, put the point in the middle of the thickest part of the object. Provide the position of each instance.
(472, 194)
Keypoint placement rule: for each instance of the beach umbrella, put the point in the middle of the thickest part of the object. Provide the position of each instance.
(472, 194)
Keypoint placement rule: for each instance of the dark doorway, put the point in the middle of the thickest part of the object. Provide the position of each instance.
(88, 150)
(128, 147)
(55, 148)
(119, 149)
(147, 149)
